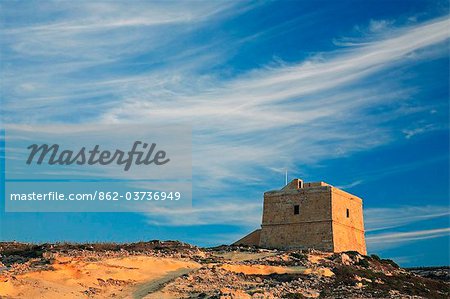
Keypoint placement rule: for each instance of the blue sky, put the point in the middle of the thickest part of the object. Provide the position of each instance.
(354, 93)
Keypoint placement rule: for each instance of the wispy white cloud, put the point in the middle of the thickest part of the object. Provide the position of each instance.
(379, 25)
(350, 185)
(386, 240)
(392, 227)
(411, 132)
(377, 219)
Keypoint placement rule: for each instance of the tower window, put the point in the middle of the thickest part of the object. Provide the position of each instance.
(348, 213)
(296, 209)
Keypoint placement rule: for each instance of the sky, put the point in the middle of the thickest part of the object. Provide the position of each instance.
(353, 93)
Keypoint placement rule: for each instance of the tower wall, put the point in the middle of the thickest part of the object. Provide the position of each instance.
(310, 228)
(348, 232)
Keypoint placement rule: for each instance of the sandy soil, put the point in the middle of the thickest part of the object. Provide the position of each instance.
(318, 257)
(115, 277)
(262, 269)
(171, 269)
(243, 256)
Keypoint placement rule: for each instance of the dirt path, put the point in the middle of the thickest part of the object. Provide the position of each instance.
(145, 290)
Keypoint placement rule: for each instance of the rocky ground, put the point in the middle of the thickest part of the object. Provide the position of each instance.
(439, 273)
(172, 269)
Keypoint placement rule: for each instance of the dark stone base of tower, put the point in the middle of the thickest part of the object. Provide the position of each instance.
(310, 215)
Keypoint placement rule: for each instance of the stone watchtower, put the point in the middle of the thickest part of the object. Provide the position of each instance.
(310, 215)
